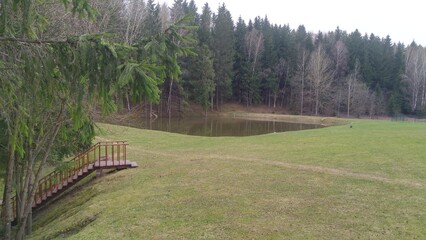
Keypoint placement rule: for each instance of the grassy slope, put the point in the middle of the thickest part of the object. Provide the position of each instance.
(365, 182)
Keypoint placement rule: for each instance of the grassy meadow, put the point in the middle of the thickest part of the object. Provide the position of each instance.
(364, 182)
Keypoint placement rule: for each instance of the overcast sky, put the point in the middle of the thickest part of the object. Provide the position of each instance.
(403, 20)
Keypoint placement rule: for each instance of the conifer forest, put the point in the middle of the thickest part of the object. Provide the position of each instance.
(335, 73)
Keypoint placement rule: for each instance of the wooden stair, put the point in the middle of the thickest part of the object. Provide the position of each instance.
(103, 155)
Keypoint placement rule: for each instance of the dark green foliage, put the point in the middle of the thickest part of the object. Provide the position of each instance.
(241, 68)
(152, 25)
(49, 89)
(223, 51)
(202, 77)
(205, 31)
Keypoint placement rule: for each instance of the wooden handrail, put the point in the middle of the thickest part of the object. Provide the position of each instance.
(97, 156)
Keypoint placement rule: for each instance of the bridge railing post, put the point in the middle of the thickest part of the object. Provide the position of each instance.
(112, 153)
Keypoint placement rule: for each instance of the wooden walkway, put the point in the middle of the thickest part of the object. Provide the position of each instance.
(103, 155)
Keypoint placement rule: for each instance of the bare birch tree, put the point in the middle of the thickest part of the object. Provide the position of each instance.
(340, 55)
(361, 99)
(302, 66)
(164, 16)
(351, 81)
(415, 74)
(134, 14)
(61, 23)
(254, 47)
(254, 44)
(320, 74)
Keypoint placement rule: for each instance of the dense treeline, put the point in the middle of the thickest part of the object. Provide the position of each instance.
(258, 62)
(335, 73)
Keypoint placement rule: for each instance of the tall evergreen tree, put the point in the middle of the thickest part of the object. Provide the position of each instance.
(202, 78)
(303, 48)
(151, 21)
(241, 68)
(205, 29)
(223, 47)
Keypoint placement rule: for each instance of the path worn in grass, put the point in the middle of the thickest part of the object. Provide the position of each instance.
(301, 167)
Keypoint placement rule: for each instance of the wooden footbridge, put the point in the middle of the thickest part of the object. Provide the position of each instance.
(103, 155)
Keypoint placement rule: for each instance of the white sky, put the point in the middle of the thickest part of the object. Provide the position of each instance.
(403, 20)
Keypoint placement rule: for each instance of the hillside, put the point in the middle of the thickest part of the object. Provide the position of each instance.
(365, 182)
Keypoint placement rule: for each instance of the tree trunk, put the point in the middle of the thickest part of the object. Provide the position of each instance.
(7, 194)
(414, 100)
(217, 99)
(128, 102)
(24, 189)
(269, 98)
(247, 100)
(23, 221)
(29, 229)
(338, 104)
(275, 99)
(302, 94)
(349, 100)
(316, 102)
(169, 99)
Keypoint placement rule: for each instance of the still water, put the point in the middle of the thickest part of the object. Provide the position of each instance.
(216, 127)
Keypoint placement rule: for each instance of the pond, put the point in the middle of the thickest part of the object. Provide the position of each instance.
(216, 127)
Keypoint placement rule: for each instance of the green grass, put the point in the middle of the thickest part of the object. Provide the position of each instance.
(366, 182)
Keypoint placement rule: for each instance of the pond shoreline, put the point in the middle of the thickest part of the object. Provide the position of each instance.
(224, 124)
(324, 121)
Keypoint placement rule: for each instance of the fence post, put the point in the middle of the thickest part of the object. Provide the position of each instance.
(112, 153)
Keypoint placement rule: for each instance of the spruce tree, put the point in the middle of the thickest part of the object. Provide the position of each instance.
(241, 68)
(223, 50)
(203, 78)
(205, 28)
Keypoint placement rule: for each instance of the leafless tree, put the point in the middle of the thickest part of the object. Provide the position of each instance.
(340, 57)
(302, 72)
(254, 44)
(254, 49)
(164, 16)
(134, 14)
(415, 75)
(62, 23)
(351, 80)
(320, 74)
(340, 54)
(281, 71)
(361, 98)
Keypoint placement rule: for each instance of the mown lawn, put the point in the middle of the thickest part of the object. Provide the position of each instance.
(364, 182)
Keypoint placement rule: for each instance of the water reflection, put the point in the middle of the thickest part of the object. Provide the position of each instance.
(216, 127)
